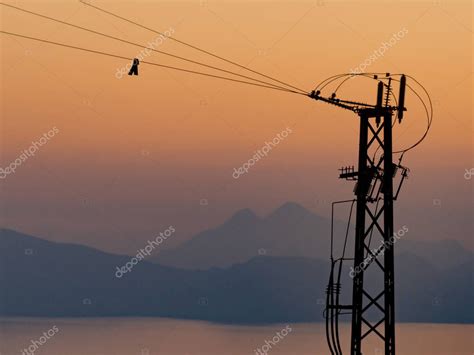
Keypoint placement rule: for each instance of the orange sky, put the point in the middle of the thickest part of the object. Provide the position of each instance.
(135, 155)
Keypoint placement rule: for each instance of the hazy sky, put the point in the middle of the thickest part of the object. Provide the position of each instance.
(137, 154)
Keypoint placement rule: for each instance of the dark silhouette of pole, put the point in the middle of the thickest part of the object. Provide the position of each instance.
(361, 193)
(389, 280)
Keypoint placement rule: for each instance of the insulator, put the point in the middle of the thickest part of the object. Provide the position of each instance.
(389, 92)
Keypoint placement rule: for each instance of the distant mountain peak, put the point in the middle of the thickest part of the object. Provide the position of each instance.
(245, 215)
(290, 209)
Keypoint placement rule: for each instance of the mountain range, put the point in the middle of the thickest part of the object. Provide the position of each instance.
(265, 278)
(291, 230)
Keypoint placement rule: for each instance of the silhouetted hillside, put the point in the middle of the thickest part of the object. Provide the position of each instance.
(41, 278)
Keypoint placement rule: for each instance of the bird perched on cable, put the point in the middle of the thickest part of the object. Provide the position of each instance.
(134, 68)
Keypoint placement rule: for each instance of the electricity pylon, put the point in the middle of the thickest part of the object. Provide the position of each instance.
(375, 180)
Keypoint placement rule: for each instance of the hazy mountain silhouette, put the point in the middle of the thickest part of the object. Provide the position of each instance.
(290, 230)
(444, 254)
(42, 278)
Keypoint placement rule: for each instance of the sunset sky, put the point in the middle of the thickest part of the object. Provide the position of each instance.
(137, 154)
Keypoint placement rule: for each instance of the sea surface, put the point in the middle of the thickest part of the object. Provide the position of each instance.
(150, 336)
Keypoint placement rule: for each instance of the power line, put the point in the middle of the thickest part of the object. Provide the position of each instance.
(192, 46)
(139, 45)
(265, 84)
(150, 63)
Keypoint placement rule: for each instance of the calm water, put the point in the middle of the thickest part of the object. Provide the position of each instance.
(149, 336)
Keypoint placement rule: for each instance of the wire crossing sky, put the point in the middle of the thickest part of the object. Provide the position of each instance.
(140, 46)
(191, 46)
(266, 84)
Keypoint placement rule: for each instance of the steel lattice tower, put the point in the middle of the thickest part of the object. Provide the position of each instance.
(375, 197)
